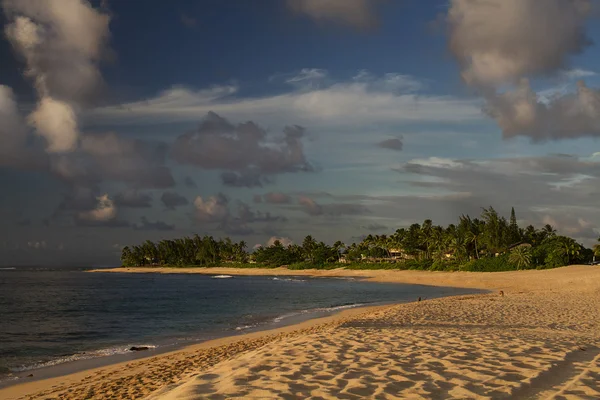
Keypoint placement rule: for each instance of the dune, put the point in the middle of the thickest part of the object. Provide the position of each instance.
(540, 339)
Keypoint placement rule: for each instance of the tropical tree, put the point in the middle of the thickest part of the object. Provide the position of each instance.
(520, 256)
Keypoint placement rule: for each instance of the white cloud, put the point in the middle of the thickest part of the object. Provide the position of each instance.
(214, 208)
(361, 101)
(578, 73)
(285, 241)
(104, 211)
(62, 42)
(56, 121)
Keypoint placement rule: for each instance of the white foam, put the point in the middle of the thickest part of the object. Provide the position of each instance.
(289, 279)
(111, 351)
(243, 327)
(222, 276)
(316, 310)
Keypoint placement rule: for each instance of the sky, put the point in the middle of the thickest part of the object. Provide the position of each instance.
(122, 121)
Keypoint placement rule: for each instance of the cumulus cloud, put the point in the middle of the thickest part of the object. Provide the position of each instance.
(239, 221)
(504, 42)
(172, 200)
(285, 241)
(357, 13)
(213, 208)
(62, 42)
(105, 210)
(392, 144)
(520, 112)
(500, 41)
(218, 144)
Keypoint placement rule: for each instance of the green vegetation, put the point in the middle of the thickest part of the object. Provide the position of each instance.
(489, 243)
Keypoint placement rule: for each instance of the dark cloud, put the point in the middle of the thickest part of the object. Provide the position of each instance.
(240, 221)
(189, 182)
(110, 157)
(276, 198)
(311, 207)
(375, 227)
(246, 214)
(249, 178)
(112, 223)
(236, 228)
(153, 226)
(392, 144)
(245, 152)
(133, 199)
(172, 200)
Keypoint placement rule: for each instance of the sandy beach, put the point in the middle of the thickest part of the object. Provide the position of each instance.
(541, 339)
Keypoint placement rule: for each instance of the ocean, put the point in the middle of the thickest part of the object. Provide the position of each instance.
(58, 316)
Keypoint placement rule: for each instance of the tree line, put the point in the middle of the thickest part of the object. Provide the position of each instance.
(487, 243)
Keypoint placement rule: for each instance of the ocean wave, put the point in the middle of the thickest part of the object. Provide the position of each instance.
(86, 355)
(332, 308)
(222, 276)
(289, 279)
(244, 327)
(7, 269)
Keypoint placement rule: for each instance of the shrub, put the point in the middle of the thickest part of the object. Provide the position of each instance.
(489, 264)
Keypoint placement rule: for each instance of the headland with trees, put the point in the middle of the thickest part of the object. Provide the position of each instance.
(488, 243)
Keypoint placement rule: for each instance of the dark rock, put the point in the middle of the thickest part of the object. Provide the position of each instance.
(139, 348)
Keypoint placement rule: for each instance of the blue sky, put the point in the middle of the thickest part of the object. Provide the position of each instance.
(255, 120)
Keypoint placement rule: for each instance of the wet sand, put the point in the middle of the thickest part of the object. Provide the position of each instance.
(540, 340)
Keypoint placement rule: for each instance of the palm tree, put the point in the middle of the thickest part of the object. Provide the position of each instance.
(337, 247)
(596, 250)
(520, 256)
(474, 237)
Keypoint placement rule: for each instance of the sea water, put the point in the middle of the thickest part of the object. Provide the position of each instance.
(55, 316)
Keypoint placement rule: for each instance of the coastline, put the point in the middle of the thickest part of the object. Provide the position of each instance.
(172, 374)
(459, 279)
(216, 350)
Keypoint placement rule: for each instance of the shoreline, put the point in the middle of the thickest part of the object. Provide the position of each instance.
(458, 279)
(233, 344)
(67, 368)
(158, 375)
(296, 321)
